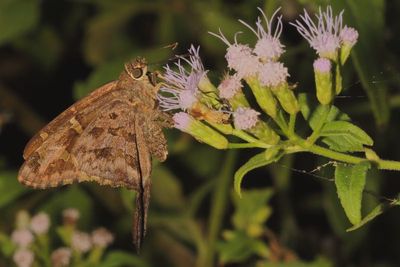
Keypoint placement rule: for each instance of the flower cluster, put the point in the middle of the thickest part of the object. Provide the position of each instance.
(332, 41)
(208, 112)
(29, 244)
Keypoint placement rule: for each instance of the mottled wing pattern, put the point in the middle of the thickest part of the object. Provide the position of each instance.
(86, 105)
(93, 144)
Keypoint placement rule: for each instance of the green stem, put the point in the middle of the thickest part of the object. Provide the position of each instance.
(381, 163)
(316, 133)
(388, 165)
(219, 202)
(247, 137)
(334, 155)
(292, 124)
(280, 121)
(243, 145)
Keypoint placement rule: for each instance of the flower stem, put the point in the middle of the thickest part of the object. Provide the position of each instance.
(321, 121)
(381, 163)
(244, 145)
(292, 124)
(219, 202)
(247, 137)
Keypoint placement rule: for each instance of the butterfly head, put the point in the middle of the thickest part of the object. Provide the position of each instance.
(136, 68)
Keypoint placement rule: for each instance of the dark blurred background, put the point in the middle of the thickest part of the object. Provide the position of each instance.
(54, 52)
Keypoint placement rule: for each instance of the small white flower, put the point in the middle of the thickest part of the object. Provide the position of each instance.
(101, 237)
(40, 223)
(180, 90)
(22, 237)
(349, 36)
(182, 120)
(245, 118)
(268, 46)
(322, 65)
(229, 86)
(272, 74)
(81, 242)
(240, 57)
(23, 258)
(323, 36)
(70, 215)
(61, 257)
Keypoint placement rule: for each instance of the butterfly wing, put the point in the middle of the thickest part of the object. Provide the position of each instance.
(86, 106)
(95, 143)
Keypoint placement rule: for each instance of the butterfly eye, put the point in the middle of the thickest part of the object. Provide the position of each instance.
(137, 73)
(136, 68)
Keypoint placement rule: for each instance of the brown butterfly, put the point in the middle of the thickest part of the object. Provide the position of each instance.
(109, 137)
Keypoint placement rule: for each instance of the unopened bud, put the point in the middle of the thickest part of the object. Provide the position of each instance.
(265, 133)
(323, 80)
(286, 98)
(264, 96)
(348, 36)
(199, 130)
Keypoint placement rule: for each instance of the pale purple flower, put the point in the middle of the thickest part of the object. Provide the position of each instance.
(180, 88)
(81, 242)
(322, 65)
(229, 86)
(61, 257)
(182, 120)
(23, 258)
(40, 223)
(323, 36)
(22, 237)
(245, 118)
(70, 216)
(268, 46)
(240, 57)
(272, 74)
(348, 35)
(101, 237)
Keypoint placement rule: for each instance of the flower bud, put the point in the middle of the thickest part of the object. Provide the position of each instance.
(338, 79)
(348, 37)
(264, 96)
(200, 131)
(22, 219)
(265, 133)
(230, 89)
(323, 80)
(286, 98)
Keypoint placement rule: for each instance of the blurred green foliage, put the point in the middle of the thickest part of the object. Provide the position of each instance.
(52, 52)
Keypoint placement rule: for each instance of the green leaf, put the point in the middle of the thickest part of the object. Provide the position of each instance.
(378, 210)
(238, 247)
(17, 17)
(350, 182)
(122, 259)
(344, 136)
(7, 247)
(264, 158)
(10, 188)
(315, 113)
(252, 211)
